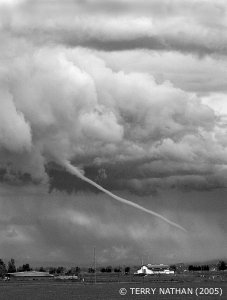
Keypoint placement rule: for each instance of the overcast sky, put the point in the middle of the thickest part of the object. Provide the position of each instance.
(131, 92)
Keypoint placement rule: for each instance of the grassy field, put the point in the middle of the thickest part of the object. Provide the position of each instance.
(186, 277)
(38, 290)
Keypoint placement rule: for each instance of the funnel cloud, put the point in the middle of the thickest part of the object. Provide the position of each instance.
(76, 172)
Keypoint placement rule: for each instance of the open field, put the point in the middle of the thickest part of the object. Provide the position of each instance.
(202, 276)
(53, 290)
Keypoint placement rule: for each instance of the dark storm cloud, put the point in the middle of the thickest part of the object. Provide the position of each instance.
(58, 227)
(139, 177)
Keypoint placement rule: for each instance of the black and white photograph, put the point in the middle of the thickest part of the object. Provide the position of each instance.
(113, 149)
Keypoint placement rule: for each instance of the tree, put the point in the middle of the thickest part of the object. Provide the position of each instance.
(26, 268)
(20, 269)
(2, 268)
(117, 270)
(52, 270)
(173, 268)
(60, 270)
(103, 270)
(73, 271)
(11, 266)
(127, 270)
(91, 270)
(205, 268)
(190, 268)
(109, 269)
(222, 265)
(198, 268)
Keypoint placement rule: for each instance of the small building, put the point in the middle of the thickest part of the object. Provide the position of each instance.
(68, 277)
(154, 269)
(30, 275)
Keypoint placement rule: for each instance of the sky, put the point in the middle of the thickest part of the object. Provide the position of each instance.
(133, 94)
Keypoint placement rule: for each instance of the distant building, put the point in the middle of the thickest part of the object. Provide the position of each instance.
(154, 269)
(29, 275)
(67, 277)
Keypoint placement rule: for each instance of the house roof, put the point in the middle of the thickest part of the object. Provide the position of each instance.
(30, 274)
(157, 266)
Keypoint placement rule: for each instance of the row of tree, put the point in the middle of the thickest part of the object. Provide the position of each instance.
(62, 270)
(221, 266)
(198, 268)
(11, 267)
(109, 269)
(77, 270)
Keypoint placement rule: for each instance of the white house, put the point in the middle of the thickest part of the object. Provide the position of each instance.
(154, 269)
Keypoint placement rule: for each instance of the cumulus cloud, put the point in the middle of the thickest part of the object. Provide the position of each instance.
(15, 135)
(66, 104)
(186, 71)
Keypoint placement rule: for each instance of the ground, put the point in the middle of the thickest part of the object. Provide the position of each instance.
(53, 290)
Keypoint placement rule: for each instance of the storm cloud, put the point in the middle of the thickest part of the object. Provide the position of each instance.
(133, 94)
(64, 105)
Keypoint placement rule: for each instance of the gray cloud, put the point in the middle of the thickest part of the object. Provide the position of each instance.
(36, 224)
(188, 72)
(70, 109)
(148, 123)
(187, 27)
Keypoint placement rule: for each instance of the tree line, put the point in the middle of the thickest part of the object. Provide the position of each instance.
(198, 268)
(110, 269)
(11, 267)
(221, 266)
